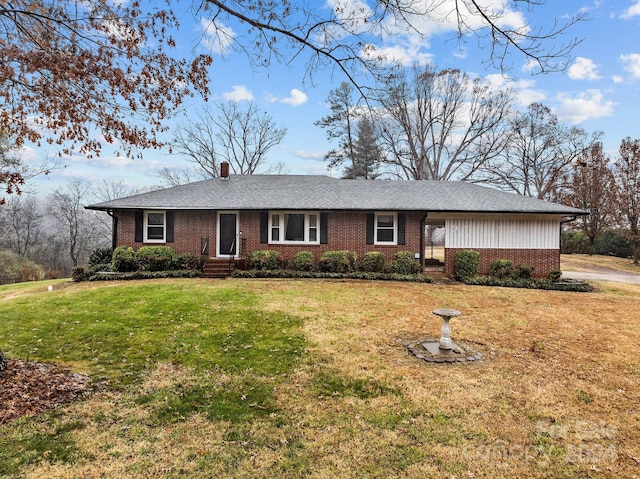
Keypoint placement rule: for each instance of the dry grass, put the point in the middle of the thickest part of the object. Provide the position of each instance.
(585, 262)
(557, 395)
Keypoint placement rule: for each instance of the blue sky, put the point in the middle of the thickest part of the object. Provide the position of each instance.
(599, 91)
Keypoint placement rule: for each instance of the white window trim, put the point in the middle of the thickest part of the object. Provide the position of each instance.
(281, 235)
(146, 227)
(395, 228)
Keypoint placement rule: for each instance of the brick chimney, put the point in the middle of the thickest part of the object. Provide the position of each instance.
(224, 169)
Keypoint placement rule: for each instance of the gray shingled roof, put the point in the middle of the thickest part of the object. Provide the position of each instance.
(298, 192)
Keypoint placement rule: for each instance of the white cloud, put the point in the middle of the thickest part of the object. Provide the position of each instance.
(583, 69)
(617, 79)
(295, 98)
(632, 11)
(217, 36)
(524, 90)
(632, 63)
(586, 106)
(405, 54)
(238, 93)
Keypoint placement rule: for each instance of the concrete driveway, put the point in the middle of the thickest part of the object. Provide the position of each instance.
(603, 275)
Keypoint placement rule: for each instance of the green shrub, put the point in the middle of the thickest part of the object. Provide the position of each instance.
(96, 268)
(124, 259)
(361, 275)
(155, 258)
(338, 261)
(303, 261)
(555, 276)
(265, 259)
(186, 261)
(522, 271)
(467, 263)
(15, 268)
(574, 242)
(373, 262)
(182, 273)
(614, 243)
(102, 255)
(530, 284)
(81, 273)
(501, 269)
(404, 262)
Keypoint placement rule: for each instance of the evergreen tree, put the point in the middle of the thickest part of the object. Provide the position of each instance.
(366, 153)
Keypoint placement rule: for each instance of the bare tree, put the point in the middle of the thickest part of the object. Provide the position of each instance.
(242, 137)
(341, 125)
(540, 152)
(197, 142)
(441, 125)
(627, 176)
(77, 226)
(21, 224)
(592, 187)
(179, 176)
(348, 35)
(246, 136)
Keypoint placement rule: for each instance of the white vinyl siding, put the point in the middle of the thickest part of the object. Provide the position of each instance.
(502, 233)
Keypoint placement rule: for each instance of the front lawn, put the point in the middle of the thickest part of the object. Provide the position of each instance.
(311, 378)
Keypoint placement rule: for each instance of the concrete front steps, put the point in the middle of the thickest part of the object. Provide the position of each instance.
(218, 268)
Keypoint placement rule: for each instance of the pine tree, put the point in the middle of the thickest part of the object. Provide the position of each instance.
(366, 153)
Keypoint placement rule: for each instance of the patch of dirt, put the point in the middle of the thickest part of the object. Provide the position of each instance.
(29, 388)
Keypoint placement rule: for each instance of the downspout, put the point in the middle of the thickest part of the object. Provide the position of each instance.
(568, 219)
(114, 229)
(423, 222)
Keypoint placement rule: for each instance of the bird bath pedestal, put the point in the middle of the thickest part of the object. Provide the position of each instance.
(443, 351)
(446, 315)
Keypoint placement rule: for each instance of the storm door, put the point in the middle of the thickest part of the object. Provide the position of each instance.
(227, 234)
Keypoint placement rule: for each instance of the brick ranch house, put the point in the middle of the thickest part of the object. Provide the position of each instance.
(229, 217)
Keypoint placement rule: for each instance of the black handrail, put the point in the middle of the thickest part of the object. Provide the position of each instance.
(231, 255)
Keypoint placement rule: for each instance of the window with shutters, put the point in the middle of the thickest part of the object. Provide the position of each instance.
(155, 227)
(294, 227)
(386, 228)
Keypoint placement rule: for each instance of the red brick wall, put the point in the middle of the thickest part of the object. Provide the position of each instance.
(346, 230)
(189, 227)
(543, 260)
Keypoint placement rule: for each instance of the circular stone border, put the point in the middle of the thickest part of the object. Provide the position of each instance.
(468, 354)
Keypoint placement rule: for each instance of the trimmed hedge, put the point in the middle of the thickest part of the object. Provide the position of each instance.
(101, 256)
(265, 259)
(287, 273)
(467, 264)
(303, 261)
(404, 262)
(373, 262)
(155, 258)
(186, 273)
(338, 262)
(124, 259)
(530, 284)
(501, 269)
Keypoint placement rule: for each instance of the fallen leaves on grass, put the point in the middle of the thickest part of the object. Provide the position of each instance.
(28, 388)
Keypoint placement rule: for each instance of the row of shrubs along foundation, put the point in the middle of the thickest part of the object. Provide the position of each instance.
(146, 262)
(503, 272)
(403, 262)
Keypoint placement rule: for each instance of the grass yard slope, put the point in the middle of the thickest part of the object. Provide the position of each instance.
(291, 379)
